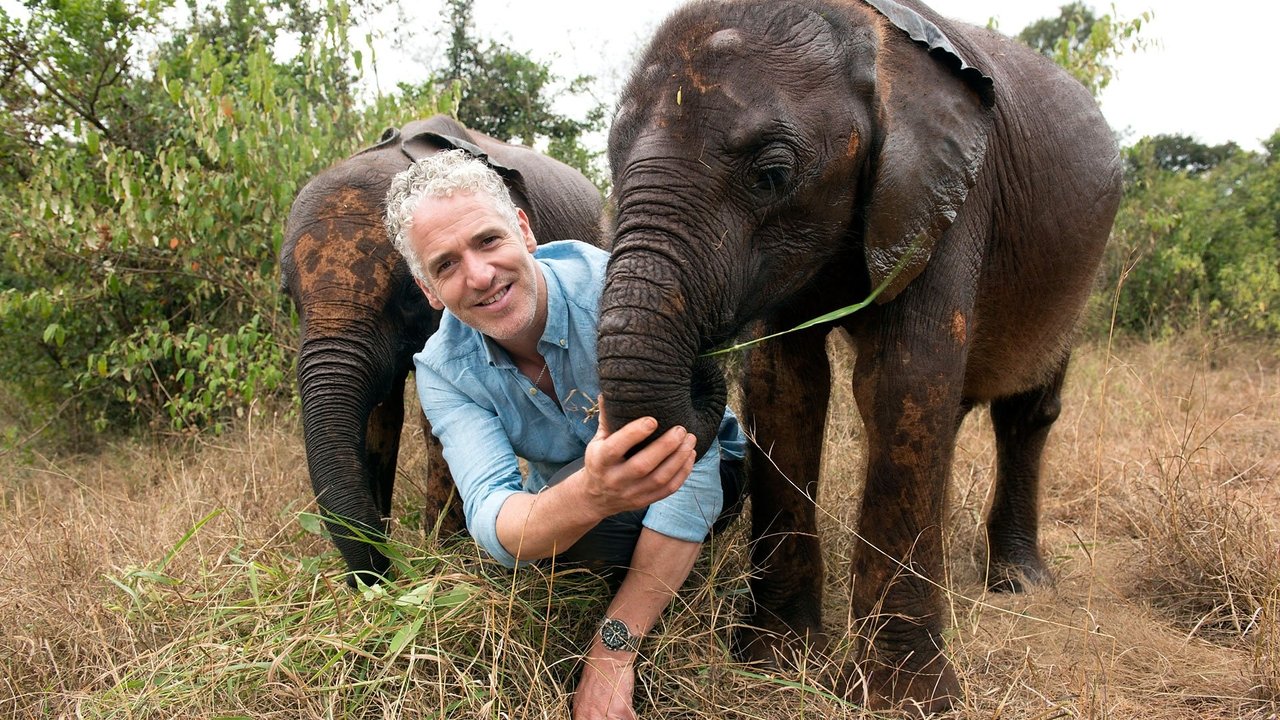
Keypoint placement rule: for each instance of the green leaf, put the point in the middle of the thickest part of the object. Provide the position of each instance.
(313, 524)
(403, 637)
(187, 537)
(834, 314)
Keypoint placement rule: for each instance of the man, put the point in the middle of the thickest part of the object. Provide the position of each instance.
(512, 372)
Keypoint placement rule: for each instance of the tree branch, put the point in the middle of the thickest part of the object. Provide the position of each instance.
(54, 90)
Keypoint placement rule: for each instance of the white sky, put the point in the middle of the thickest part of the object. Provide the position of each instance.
(1211, 76)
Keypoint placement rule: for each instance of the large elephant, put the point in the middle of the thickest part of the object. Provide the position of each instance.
(363, 317)
(776, 161)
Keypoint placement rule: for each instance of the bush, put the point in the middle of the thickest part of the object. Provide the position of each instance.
(1198, 248)
(139, 269)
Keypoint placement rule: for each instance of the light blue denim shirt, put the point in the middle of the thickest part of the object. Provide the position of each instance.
(486, 413)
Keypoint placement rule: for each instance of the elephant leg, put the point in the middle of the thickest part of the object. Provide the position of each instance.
(786, 389)
(907, 385)
(382, 445)
(965, 407)
(442, 506)
(1022, 423)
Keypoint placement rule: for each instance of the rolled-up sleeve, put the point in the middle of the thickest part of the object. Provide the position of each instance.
(733, 442)
(479, 454)
(688, 513)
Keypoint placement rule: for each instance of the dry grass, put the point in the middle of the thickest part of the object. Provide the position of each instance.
(180, 580)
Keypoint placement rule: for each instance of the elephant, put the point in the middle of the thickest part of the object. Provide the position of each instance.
(774, 162)
(363, 318)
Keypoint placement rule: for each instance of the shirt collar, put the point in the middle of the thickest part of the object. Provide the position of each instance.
(557, 330)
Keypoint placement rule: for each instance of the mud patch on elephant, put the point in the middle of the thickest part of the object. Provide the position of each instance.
(673, 304)
(359, 265)
(959, 328)
(911, 436)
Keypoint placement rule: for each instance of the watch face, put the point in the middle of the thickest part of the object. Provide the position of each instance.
(614, 634)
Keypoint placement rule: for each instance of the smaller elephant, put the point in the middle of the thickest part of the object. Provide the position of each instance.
(363, 318)
(776, 161)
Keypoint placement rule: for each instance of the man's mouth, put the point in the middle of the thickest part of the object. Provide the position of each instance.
(495, 297)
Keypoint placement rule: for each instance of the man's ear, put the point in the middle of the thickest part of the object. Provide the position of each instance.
(431, 296)
(530, 243)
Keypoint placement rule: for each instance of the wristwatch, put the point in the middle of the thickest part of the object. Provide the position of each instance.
(616, 636)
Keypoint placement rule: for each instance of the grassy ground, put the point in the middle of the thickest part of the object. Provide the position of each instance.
(185, 579)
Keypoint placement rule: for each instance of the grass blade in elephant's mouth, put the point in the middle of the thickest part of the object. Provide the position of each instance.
(827, 317)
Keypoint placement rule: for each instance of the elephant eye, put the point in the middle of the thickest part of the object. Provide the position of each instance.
(772, 171)
(773, 179)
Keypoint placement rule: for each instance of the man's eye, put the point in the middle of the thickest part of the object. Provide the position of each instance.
(444, 266)
(490, 240)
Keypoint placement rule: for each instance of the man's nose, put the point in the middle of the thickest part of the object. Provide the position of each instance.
(479, 272)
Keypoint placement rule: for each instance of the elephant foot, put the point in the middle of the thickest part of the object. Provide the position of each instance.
(1017, 570)
(912, 691)
(775, 644)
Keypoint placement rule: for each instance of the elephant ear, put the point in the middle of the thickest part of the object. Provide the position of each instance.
(390, 136)
(424, 143)
(935, 113)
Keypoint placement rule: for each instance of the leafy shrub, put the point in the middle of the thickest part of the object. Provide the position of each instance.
(1198, 248)
(139, 268)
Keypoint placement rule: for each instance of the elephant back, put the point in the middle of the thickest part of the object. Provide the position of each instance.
(561, 202)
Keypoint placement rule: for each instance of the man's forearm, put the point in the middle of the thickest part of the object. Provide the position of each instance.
(659, 567)
(534, 526)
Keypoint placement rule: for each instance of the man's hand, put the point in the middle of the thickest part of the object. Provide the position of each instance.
(614, 483)
(532, 526)
(607, 686)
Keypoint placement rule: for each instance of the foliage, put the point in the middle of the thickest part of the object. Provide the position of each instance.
(508, 95)
(1197, 245)
(151, 158)
(144, 209)
(67, 64)
(1185, 153)
(1084, 44)
(1073, 24)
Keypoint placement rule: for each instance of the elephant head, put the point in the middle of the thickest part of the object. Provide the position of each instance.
(363, 317)
(747, 150)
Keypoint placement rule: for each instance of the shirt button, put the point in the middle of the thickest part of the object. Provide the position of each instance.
(564, 342)
(533, 391)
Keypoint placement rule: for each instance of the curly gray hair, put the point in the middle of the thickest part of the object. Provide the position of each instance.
(438, 176)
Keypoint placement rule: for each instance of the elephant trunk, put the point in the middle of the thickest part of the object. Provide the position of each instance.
(339, 382)
(649, 346)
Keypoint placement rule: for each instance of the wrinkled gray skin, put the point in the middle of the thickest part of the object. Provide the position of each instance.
(363, 318)
(775, 161)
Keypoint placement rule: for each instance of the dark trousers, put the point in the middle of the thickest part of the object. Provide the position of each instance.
(606, 549)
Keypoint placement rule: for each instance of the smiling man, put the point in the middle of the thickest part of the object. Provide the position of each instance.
(511, 373)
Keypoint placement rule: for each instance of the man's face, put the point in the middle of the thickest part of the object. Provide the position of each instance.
(476, 264)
